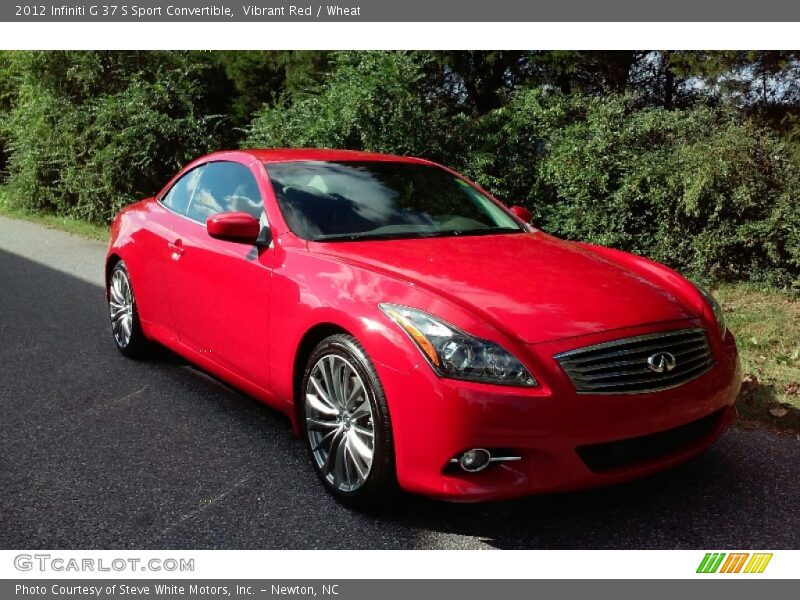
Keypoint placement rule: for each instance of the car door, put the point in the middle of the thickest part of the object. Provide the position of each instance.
(218, 290)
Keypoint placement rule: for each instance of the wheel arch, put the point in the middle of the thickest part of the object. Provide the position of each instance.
(305, 347)
(111, 261)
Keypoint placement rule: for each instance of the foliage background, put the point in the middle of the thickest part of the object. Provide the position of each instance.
(691, 158)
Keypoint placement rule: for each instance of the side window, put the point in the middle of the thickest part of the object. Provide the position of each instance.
(225, 187)
(180, 194)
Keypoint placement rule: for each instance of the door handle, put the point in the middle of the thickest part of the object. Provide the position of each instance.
(176, 249)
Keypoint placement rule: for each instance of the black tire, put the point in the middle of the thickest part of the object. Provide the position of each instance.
(136, 345)
(380, 486)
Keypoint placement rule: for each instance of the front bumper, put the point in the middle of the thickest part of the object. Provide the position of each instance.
(566, 440)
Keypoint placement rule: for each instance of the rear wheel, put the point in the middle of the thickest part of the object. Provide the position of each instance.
(125, 325)
(346, 423)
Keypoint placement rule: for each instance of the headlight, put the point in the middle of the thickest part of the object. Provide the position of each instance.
(719, 315)
(458, 355)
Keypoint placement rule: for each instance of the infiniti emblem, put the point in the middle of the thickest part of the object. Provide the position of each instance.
(661, 362)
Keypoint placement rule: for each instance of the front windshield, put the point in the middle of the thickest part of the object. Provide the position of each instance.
(326, 201)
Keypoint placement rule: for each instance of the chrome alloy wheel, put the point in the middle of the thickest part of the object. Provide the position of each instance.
(120, 304)
(339, 422)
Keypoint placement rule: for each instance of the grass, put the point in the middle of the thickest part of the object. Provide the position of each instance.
(68, 224)
(766, 324)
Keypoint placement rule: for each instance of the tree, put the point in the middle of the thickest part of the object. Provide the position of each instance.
(479, 81)
(92, 131)
(8, 84)
(369, 101)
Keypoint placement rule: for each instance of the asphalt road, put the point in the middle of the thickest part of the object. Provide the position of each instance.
(97, 451)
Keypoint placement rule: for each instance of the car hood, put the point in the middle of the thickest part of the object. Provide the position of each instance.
(533, 286)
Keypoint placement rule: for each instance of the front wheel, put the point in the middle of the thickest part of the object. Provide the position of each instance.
(122, 308)
(346, 423)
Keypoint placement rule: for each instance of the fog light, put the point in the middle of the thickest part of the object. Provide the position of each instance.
(475, 460)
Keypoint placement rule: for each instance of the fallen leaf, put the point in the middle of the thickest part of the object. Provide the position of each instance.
(793, 389)
(778, 411)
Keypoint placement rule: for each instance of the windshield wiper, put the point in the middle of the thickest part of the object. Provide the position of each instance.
(487, 231)
(352, 237)
(367, 236)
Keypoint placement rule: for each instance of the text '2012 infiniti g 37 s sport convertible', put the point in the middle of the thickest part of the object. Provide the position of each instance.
(419, 334)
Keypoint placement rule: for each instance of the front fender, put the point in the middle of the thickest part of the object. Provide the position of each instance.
(309, 292)
(656, 273)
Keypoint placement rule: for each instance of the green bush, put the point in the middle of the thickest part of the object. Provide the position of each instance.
(92, 131)
(708, 190)
(4, 135)
(704, 190)
(370, 101)
(7, 87)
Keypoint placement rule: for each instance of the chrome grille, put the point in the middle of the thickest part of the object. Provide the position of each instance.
(621, 366)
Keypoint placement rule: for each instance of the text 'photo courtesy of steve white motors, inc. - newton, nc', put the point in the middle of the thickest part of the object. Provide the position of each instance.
(100, 590)
(133, 11)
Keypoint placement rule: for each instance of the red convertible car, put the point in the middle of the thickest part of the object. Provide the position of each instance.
(419, 334)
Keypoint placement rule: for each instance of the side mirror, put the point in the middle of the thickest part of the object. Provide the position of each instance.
(522, 213)
(234, 227)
